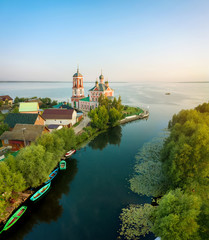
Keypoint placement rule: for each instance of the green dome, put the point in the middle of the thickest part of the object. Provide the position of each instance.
(77, 75)
(101, 77)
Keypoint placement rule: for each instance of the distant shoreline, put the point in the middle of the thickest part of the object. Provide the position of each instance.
(38, 81)
(48, 81)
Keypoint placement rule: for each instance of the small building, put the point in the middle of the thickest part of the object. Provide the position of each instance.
(24, 118)
(29, 107)
(6, 99)
(53, 127)
(22, 135)
(64, 117)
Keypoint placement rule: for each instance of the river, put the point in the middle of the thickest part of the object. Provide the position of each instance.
(85, 201)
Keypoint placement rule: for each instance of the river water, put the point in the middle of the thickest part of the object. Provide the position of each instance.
(85, 201)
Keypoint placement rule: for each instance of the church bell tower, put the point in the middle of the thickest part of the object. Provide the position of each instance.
(77, 89)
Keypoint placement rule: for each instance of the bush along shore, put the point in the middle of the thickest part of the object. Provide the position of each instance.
(175, 171)
(33, 164)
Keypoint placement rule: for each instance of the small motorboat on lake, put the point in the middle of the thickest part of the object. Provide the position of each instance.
(40, 192)
(13, 219)
(52, 175)
(62, 165)
(70, 153)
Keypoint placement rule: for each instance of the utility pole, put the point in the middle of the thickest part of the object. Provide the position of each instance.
(23, 129)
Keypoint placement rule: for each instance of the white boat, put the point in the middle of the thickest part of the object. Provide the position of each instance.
(70, 153)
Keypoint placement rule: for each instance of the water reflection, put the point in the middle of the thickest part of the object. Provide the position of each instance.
(48, 208)
(112, 136)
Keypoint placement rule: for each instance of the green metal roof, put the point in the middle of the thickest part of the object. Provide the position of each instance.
(23, 118)
(58, 105)
(101, 87)
(86, 99)
(28, 107)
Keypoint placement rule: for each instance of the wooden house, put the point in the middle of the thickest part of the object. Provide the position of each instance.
(24, 118)
(22, 135)
(6, 99)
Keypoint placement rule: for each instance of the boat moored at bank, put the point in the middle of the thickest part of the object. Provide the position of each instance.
(62, 165)
(70, 153)
(40, 192)
(13, 219)
(52, 175)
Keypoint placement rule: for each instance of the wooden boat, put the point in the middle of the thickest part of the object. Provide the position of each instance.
(62, 165)
(40, 192)
(70, 153)
(13, 219)
(52, 175)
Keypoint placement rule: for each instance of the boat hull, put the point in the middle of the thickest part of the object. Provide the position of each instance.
(40, 192)
(13, 219)
(62, 165)
(52, 175)
(70, 153)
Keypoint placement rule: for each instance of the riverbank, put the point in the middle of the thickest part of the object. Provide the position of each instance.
(135, 117)
(86, 135)
(20, 198)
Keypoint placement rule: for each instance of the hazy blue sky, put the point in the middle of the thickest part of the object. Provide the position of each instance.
(132, 40)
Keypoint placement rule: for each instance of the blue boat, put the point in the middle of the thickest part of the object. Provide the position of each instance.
(40, 192)
(52, 175)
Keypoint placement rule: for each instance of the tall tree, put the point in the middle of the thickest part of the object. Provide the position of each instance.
(35, 164)
(176, 216)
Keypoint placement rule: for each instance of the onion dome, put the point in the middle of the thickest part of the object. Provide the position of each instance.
(101, 77)
(78, 74)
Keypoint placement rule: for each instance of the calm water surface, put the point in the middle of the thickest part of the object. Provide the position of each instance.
(85, 200)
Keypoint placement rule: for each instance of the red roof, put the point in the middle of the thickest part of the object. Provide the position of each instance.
(4, 97)
(58, 113)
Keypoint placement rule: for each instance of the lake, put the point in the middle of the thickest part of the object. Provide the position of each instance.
(86, 199)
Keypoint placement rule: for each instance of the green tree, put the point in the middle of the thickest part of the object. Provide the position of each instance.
(185, 157)
(11, 181)
(3, 127)
(114, 116)
(15, 110)
(203, 108)
(99, 117)
(52, 143)
(35, 164)
(176, 216)
(68, 136)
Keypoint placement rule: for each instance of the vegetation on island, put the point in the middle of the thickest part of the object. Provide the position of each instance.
(177, 173)
(110, 112)
(107, 114)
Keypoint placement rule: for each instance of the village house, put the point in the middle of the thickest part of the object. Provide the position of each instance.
(24, 118)
(92, 101)
(59, 117)
(6, 99)
(29, 107)
(22, 135)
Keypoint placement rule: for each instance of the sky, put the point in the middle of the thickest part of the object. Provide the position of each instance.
(130, 40)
